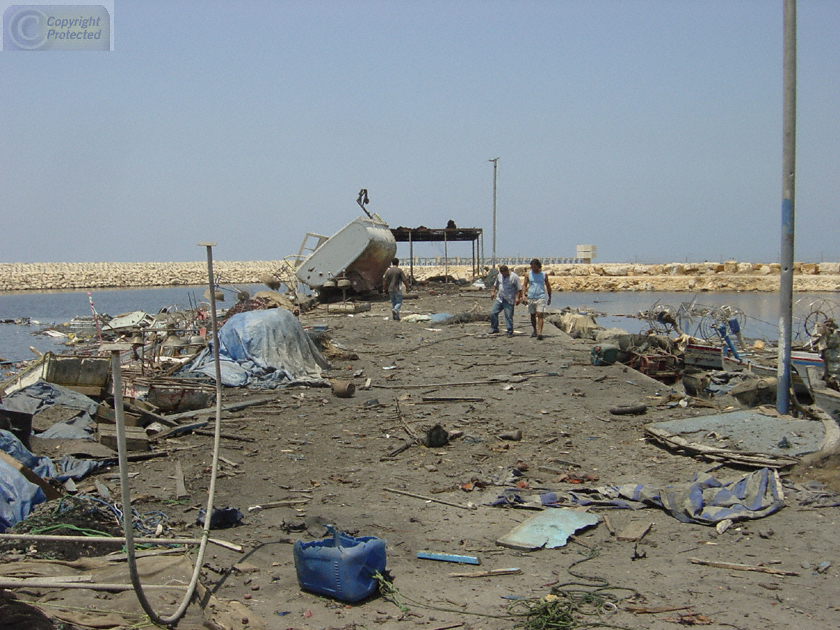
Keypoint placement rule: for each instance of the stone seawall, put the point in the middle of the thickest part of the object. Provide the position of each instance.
(691, 277)
(673, 277)
(48, 276)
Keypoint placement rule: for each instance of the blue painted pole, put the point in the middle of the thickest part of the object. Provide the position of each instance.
(788, 208)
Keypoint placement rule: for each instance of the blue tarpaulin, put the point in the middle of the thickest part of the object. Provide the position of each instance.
(17, 494)
(705, 500)
(41, 395)
(263, 349)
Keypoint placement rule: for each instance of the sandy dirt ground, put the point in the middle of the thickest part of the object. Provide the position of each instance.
(331, 456)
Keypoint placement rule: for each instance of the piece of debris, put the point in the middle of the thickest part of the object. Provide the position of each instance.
(723, 525)
(221, 518)
(490, 573)
(548, 529)
(742, 567)
(469, 506)
(629, 410)
(447, 557)
(277, 504)
(436, 437)
(343, 389)
(634, 532)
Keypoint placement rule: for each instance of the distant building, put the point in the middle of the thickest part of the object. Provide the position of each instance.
(587, 253)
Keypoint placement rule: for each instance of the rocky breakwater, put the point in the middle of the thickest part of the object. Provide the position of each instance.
(674, 277)
(52, 276)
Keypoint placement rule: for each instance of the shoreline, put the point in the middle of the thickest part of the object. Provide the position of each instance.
(607, 277)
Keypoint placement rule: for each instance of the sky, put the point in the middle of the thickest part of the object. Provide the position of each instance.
(651, 129)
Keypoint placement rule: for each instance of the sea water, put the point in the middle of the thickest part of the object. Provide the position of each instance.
(48, 308)
(618, 309)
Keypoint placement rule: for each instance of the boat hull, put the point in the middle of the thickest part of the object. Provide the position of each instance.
(84, 374)
(361, 251)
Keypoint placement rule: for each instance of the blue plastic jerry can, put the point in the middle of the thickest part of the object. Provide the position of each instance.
(341, 567)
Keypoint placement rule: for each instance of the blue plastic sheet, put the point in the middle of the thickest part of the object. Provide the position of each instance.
(263, 349)
(69, 467)
(41, 466)
(17, 496)
(41, 395)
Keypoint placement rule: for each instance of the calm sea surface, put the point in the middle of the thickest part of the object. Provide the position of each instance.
(58, 307)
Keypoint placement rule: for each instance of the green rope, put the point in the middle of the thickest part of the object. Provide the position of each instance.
(568, 608)
(390, 593)
(563, 609)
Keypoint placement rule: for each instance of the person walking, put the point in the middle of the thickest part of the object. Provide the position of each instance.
(538, 292)
(507, 293)
(392, 283)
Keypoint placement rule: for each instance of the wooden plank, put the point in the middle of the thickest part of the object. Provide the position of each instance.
(742, 567)
(135, 437)
(634, 532)
(50, 492)
(180, 484)
(277, 504)
(106, 415)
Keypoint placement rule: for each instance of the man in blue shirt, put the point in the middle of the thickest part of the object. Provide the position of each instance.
(508, 286)
(537, 289)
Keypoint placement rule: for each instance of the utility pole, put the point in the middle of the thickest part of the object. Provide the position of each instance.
(788, 208)
(495, 170)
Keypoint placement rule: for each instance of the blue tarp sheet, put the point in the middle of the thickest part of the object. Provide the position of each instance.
(705, 500)
(263, 349)
(18, 495)
(41, 395)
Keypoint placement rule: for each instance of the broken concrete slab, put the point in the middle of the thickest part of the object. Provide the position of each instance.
(746, 437)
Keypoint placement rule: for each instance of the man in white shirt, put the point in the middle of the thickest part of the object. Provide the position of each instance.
(507, 291)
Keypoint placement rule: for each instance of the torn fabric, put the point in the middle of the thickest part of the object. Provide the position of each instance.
(705, 500)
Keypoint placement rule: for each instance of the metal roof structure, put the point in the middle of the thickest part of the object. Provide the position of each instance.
(442, 235)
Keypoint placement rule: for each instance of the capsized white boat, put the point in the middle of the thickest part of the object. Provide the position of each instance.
(360, 253)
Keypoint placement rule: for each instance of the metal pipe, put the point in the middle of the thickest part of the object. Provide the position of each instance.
(128, 525)
(495, 170)
(411, 255)
(93, 586)
(119, 540)
(445, 258)
(788, 209)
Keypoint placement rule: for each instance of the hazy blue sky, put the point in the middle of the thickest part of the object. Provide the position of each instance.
(652, 129)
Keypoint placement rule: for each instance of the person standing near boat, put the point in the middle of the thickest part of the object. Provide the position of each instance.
(538, 293)
(392, 283)
(508, 286)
